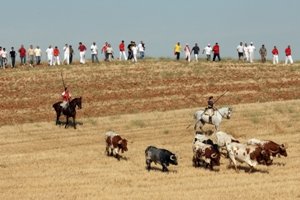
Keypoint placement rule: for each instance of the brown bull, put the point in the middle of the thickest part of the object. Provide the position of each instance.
(274, 148)
(115, 144)
(206, 154)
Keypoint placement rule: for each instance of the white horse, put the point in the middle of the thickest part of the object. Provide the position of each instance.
(202, 118)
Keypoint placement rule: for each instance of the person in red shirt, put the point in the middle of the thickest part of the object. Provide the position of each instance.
(82, 50)
(56, 56)
(122, 50)
(66, 96)
(22, 53)
(103, 50)
(216, 50)
(288, 55)
(275, 55)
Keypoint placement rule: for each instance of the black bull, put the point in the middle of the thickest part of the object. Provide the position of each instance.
(68, 112)
(161, 156)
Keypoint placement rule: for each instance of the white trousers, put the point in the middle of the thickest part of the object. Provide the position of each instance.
(82, 57)
(50, 60)
(246, 56)
(56, 60)
(123, 53)
(66, 58)
(251, 57)
(196, 57)
(289, 59)
(134, 59)
(275, 59)
(188, 56)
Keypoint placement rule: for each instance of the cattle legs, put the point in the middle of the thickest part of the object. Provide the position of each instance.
(148, 163)
(164, 167)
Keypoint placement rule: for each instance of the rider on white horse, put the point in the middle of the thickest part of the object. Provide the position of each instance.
(209, 110)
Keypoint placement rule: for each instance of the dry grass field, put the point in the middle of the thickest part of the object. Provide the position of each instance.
(149, 103)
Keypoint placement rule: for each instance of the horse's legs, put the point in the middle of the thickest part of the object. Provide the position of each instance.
(199, 124)
(74, 121)
(67, 122)
(57, 117)
(196, 125)
(217, 127)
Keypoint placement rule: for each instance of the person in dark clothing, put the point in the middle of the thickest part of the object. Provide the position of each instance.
(71, 54)
(209, 110)
(13, 57)
(196, 50)
(130, 54)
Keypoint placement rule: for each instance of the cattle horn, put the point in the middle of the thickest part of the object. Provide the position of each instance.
(172, 157)
(214, 155)
(273, 151)
(284, 146)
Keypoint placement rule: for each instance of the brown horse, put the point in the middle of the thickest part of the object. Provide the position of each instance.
(70, 111)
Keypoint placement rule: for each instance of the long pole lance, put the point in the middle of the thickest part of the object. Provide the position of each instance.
(62, 78)
(221, 96)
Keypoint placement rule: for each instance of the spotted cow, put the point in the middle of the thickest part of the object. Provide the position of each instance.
(115, 144)
(250, 154)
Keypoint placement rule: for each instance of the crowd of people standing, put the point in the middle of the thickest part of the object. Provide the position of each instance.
(245, 52)
(34, 55)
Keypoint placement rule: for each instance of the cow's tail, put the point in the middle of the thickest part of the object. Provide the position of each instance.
(188, 126)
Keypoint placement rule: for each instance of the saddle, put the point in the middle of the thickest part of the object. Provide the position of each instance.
(210, 112)
(66, 108)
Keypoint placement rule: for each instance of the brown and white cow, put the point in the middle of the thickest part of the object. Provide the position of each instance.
(274, 148)
(206, 154)
(250, 154)
(115, 144)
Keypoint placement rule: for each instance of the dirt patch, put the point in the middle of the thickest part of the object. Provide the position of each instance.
(117, 88)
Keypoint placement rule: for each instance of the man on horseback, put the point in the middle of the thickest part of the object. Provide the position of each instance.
(209, 110)
(66, 95)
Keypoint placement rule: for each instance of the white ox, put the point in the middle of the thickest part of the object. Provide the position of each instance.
(250, 154)
(223, 139)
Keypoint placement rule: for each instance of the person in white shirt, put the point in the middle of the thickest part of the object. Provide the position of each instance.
(38, 55)
(4, 57)
(66, 50)
(187, 52)
(246, 52)
(134, 50)
(110, 52)
(49, 52)
(141, 49)
(94, 51)
(207, 50)
(240, 50)
(251, 50)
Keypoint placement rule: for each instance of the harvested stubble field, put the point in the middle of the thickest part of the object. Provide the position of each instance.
(149, 103)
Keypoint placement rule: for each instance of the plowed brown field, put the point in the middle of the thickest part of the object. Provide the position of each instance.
(149, 103)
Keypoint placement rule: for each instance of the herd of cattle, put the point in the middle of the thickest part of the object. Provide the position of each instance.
(207, 151)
